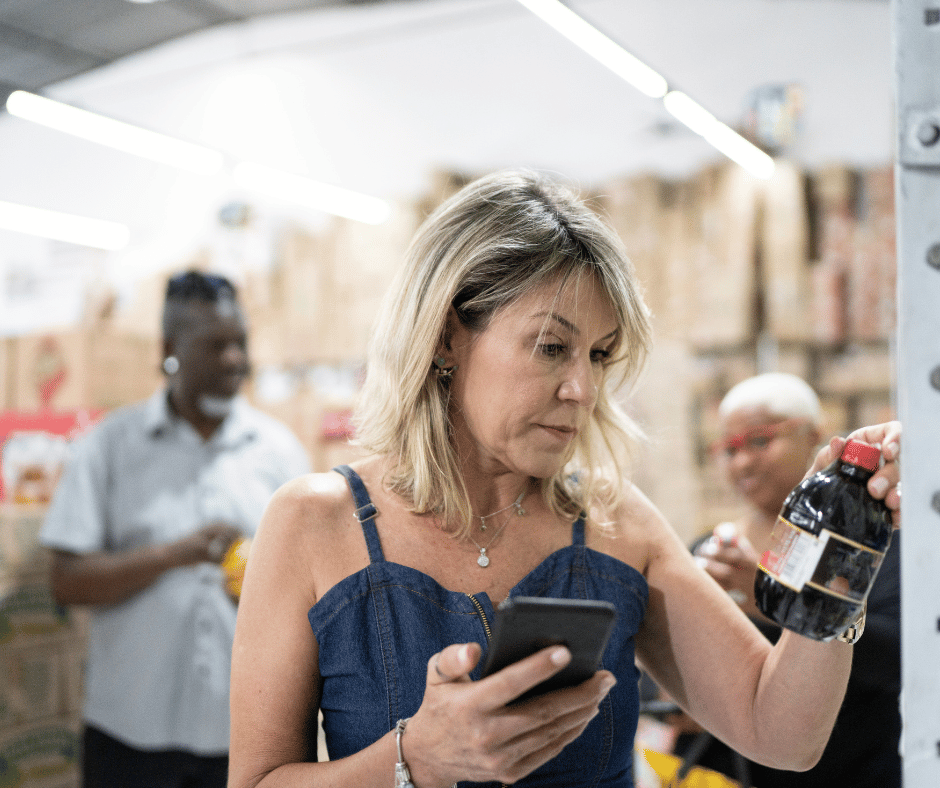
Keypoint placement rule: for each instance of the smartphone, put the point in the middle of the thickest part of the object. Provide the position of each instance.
(525, 625)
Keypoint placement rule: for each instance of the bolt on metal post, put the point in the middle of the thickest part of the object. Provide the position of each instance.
(928, 133)
(933, 256)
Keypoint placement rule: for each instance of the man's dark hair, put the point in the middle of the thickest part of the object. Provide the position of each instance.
(193, 287)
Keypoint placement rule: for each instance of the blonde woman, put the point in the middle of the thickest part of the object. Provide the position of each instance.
(500, 468)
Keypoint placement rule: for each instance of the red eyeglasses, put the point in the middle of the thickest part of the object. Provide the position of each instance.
(753, 440)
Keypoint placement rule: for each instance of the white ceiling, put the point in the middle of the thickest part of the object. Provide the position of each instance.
(47, 41)
(374, 97)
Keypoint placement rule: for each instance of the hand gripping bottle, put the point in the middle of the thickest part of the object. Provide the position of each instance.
(826, 549)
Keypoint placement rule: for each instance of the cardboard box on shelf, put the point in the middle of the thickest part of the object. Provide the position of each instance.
(835, 417)
(73, 667)
(139, 314)
(834, 191)
(678, 243)
(858, 370)
(784, 244)
(79, 369)
(122, 368)
(724, 259)
(834, 186)
(634, 209)
(6, 372)
(19, 539)
(27, 610)
(713, 374)
(874, 409)
(31, 678)
(41, 755)
(49, 371)
(873, 265)
(796, 360)
(662, 406)
(829, 301)
(361, 259)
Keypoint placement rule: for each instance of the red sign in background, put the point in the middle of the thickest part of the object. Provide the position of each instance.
(32, 442)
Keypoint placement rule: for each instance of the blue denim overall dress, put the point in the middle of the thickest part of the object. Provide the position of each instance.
(377, 629)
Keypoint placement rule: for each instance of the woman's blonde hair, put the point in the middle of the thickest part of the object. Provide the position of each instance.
(494, 241)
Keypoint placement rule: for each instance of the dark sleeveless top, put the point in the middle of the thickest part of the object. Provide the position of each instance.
(377, 629)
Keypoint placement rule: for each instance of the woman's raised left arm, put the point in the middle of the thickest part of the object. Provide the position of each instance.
(774, 704)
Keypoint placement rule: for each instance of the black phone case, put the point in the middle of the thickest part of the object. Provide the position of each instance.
(525, 625)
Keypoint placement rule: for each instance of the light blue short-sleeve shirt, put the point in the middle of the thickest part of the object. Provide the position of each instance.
(159, 663)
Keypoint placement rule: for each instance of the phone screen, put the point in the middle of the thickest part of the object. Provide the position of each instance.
(525, 625)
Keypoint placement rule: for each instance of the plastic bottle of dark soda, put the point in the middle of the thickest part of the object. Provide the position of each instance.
(826, 548)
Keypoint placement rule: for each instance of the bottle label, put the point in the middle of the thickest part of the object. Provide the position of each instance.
(828, 562)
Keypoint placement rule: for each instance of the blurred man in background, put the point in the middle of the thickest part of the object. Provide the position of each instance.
(149, 504)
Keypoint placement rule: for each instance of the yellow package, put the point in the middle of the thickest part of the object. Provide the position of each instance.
(666, 768)
(233, 564)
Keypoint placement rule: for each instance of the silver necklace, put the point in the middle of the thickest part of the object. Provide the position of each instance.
(517, 503)
(483, 559)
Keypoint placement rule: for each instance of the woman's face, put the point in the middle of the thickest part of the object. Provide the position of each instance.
(524, 386)
(764, 456)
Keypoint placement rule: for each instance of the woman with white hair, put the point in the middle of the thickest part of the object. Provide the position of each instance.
(770, 431)
(770, 428)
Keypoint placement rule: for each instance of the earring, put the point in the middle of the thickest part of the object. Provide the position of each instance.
(171, 365)
(443, 373)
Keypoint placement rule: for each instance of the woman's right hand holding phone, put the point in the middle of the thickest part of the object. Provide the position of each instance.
(467, 730)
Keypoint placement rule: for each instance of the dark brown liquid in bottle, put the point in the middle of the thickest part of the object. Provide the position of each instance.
(855, 528)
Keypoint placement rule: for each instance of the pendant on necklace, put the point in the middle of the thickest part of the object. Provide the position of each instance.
(483, 560)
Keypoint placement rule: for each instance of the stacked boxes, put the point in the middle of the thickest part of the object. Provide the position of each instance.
(52, 385)
(793, 274)
(89, 367)
(41, 652)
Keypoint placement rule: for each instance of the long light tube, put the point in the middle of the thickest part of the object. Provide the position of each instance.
(599, 46)
(81, 230)
(679, 105)
(311, 193)
(195, 158)
(721, 136)
(114, 133)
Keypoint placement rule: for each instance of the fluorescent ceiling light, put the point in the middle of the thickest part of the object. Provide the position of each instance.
(311, 193)
(114, 133)
(63, 227)
(599, 46)
(647, 81)
(721, 136)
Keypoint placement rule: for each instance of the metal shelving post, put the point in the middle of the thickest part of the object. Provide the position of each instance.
(917, 184)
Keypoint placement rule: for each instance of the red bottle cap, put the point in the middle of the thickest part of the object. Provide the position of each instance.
(861, 454)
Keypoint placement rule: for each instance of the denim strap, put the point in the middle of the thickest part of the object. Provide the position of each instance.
(365, 512)
(577, 532)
